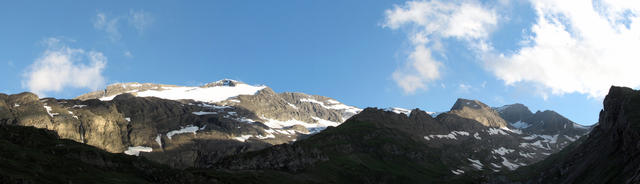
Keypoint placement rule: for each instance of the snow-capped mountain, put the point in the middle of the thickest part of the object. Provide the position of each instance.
(274, 110)
(179, 125)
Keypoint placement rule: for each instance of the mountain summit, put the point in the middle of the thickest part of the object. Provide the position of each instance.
(476, 110)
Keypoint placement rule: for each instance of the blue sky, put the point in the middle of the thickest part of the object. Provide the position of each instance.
(359, 52)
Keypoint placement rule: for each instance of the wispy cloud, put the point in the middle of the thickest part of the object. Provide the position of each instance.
(60, 67)
(140, 20)
(108, 25)
(426, 24)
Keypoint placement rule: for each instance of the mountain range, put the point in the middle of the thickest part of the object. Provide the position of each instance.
(228, 131)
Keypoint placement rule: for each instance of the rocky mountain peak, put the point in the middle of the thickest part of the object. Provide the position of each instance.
(514, 112)
(621, 102)
(462, 103)
(476, 110)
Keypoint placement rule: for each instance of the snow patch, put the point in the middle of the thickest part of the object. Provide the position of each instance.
(509, 165)
(451, 135)
(312, 127)
(159, 140)
(398, 110)
(201, 113)
(477, 136)
(502, 151)
(203, 94)
(137, 149)
(545, 138)
(292, 106)
(334, 106)
(570, 138)
(526, 155)
(78, 106)
(520, 125)
(496, 165)
(243, 138)
(476, 164)
(186, 129)
(457, 171)
(16, 105)
(496, 131)
(49, 111)
(128, 119)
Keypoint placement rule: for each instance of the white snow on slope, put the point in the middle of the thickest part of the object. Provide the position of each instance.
(476, 163)
(527, 155)
(398, 110)
(49, 111)
(333, 105)
(457, 171)
(322, 123)
(508, 164)
(159, 140)
(136, 150)
(292, 106)
(203, 94)
(451, 135)
(502, 151)
(496, 131)
(78, 106)
(570, 138)
(201, 113)
(477, 136)
(520, 125)
(187, 129)
(243, 138)
(496, 165)
(545, 138)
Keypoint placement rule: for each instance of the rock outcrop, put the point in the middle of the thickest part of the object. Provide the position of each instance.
(608, 154)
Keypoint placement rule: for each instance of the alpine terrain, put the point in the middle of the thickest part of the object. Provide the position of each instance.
(237, 130)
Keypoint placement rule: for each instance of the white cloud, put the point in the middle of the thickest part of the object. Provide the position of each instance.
(428, 22)
(576, 47)
(140, 20)
(110, 26)
(60, 67)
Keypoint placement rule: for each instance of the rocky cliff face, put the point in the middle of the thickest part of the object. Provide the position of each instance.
(609, 154)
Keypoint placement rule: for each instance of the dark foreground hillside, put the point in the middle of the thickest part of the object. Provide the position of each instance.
(32, 155)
